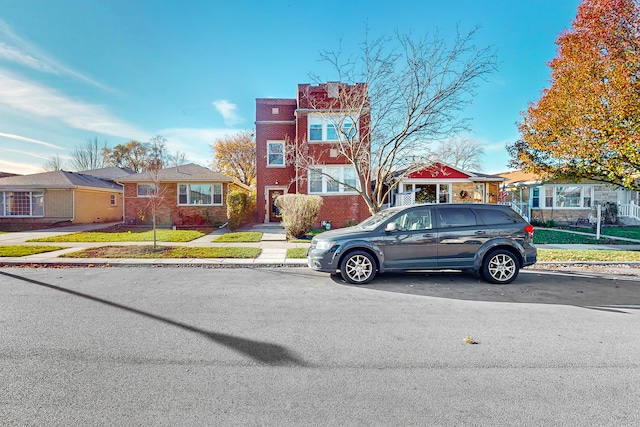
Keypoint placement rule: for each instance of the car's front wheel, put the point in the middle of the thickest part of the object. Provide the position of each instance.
(358, 267)
(500, 266)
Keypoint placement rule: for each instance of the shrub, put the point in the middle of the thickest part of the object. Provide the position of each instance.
(240, 208)
(299, 213)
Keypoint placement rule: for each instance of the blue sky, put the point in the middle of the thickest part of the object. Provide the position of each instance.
(118, 70)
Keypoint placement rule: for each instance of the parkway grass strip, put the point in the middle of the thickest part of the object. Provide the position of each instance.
(166, 252)
(18, 251)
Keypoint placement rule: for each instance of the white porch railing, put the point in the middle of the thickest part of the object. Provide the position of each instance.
(406, 199)
(630, 210)
(523, 209)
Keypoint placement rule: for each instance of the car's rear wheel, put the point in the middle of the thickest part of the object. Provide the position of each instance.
(500, 267)
(358, 267)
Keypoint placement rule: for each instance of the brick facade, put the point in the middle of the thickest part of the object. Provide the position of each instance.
(287, 120)
(168, 213)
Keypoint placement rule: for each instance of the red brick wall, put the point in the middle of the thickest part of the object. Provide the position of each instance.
(169, 213)
(290, 122)
(272, 127)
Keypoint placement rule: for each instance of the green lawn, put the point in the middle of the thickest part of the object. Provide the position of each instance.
(162, 235)
(297, 253)
(628, 232)
(164, 252)
(561, 237)
(16, 251)
(242, 236)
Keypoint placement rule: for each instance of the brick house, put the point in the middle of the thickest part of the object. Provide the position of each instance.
(304, 126)
(190, 195)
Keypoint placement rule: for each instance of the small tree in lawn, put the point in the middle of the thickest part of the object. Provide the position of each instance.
(155, 199)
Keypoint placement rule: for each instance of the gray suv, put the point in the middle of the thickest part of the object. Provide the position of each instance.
(492, 240)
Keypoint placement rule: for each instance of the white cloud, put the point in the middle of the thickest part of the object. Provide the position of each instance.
(228, 112)
(25, 139)
(20, 167)
(40, 101)
(17, 50)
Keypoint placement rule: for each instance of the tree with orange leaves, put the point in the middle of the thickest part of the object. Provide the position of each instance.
(235, 156)
(587, 124)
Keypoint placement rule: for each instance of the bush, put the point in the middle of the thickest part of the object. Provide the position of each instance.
(240, 208)
(299, 213)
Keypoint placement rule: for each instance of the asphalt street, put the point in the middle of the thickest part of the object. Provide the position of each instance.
(289, 347)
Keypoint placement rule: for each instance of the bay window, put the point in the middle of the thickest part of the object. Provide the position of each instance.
(332, 180)
(200, 194)
(22, 203)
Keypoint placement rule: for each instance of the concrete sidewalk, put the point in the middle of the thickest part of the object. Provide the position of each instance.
(273, 245)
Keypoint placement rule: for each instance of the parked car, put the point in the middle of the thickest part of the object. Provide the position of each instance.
(492, 240)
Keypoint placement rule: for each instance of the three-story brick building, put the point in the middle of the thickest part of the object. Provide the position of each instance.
(298, 148)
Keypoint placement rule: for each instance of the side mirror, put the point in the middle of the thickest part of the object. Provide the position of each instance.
(392, 226)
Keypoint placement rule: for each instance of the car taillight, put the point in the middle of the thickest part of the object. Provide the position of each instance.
(529, 229)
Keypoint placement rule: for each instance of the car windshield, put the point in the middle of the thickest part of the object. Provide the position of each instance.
(377, 219)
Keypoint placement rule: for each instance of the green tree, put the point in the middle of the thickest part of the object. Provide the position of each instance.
(133, 155)
(587, 123)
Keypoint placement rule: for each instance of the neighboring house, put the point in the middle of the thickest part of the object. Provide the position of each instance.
(111, 173)
(60, 196)
(443, 183)
(185, 195)
(282, 122)
(6, 174)
(570, 203)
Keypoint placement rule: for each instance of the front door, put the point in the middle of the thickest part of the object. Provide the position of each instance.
(274, 212)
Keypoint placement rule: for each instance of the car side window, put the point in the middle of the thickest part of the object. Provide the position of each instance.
(496, 216)
(457, 217)
(415, 219)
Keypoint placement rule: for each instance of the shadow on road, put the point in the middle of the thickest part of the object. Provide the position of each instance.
(592, 291)
(262, 352)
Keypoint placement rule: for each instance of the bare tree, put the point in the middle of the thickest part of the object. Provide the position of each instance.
(177, 159)
(462, 153)
(53, 164)
(89, 156)
(410, 92)
(157, 151)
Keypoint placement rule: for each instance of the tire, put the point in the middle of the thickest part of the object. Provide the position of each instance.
(358, 267)
(500, 266)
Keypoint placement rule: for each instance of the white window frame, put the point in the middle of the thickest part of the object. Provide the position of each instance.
(150, 190)
(550, 196)
(337, 171)
(443, 189)
(326, 121)
(216, 192)
(114, 200)
(269, 163)
(33, 206)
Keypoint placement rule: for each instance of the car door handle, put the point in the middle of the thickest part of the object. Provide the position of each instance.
(429, 235)
(481, 232)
